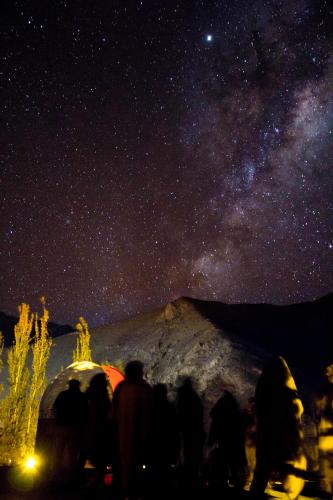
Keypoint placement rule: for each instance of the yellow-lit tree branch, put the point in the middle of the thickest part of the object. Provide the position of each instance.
(82, 351)
(18, 375)
(40, 354)
(20, 408)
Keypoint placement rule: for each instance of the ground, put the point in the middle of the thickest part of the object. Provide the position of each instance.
(86, 489)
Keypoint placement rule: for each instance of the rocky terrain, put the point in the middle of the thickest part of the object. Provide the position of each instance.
(218, 345)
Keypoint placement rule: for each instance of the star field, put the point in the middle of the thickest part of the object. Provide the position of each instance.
(156, 149)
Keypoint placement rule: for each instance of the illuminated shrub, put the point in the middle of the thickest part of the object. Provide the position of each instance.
(19, 410)
(82, 351)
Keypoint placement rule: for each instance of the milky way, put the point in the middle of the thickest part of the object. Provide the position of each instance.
(156, 149)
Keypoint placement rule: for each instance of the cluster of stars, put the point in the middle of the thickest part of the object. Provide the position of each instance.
(156, 150)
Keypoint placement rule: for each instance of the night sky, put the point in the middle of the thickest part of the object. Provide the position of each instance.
(153, 149)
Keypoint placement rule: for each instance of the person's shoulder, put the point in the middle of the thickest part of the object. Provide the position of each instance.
(120, 386)
(61, 400)
(145, 384)
(83, 397)
(118, 390)
(62, 395)
(147, 389)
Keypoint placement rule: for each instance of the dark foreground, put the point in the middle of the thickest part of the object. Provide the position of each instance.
(14, 485)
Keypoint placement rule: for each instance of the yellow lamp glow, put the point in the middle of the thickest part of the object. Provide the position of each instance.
(30, 463)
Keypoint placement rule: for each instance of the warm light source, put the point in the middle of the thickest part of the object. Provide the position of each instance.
(22, 477)
(83, 365)
(31, 463)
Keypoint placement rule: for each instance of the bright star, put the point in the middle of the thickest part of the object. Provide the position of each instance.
(209, 38)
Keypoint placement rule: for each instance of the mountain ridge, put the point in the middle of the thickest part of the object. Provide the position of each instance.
(8, 322)
(218, 345)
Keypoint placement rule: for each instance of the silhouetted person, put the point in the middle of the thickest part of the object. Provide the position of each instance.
(226, 433)
(132, 414)
(190, 414)
(324, 417)
(166, 439)
(98, 431)
(70, 410)
(279, 433)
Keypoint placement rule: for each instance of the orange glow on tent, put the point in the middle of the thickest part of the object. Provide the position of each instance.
(113, 374)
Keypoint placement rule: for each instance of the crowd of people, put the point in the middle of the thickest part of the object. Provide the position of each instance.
(146, 439)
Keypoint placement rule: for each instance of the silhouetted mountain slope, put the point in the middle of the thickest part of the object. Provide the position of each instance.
(7, 324)
(298, 331)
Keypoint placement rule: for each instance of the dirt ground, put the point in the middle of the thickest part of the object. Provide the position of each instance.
(15, 486)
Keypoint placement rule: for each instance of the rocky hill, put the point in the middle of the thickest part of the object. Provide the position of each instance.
(218, 345)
